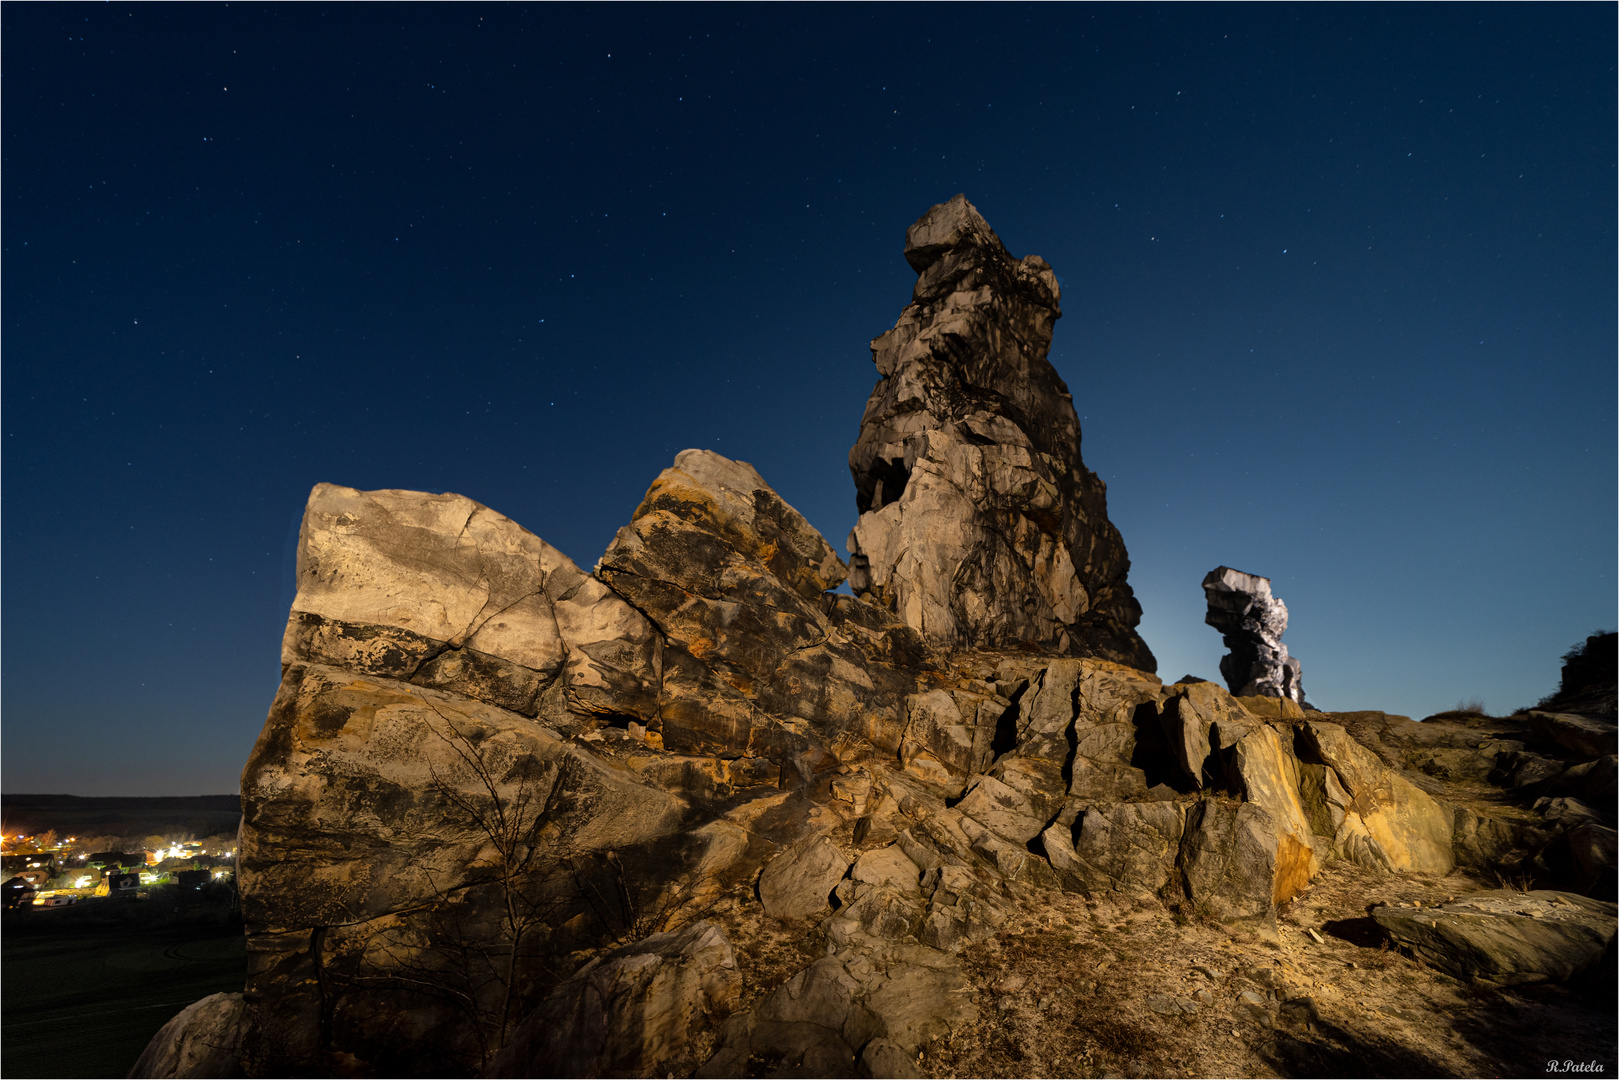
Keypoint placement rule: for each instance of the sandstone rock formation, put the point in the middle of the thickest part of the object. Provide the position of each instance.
(670, 982)
(508, 817)
(1507, 936)
(1251, 622)
(202, 1042)
(979, 524)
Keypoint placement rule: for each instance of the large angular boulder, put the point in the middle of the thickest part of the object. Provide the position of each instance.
(1131, 848)
(1267, 774)
(798, 883)
(1192, 714)
(1506, 936)
(980, 526)
(440, 591)
(1229, 859)
(758, 660)
(1387, 822)
(202, 1042)
(1251, 622)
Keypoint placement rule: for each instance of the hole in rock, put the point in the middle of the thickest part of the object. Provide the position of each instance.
(1220, 767)
(1152, 753)
(1304, 749)
(884, 484)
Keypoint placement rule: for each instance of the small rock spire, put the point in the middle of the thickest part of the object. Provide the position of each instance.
(1251, 622)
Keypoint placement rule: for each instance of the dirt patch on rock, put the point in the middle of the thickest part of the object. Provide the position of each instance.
(1077, 987)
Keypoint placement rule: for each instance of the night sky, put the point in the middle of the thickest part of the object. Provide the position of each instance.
(1338, 292)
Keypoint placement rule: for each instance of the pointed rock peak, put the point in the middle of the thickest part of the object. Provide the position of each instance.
(949, 225)
(731, 500)
(980, 526)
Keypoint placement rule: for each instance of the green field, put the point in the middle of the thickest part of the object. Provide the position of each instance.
(83, 995)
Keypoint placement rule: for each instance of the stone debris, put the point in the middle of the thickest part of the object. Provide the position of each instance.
(1251, 622)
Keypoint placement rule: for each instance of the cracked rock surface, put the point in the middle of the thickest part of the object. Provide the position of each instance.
(1251, 622)
(980, 526)
(694, 813)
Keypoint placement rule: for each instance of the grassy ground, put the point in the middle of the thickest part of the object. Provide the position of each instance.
(86, 987)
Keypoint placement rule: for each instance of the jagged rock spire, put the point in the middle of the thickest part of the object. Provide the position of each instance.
(1251, 622)
(980, 526)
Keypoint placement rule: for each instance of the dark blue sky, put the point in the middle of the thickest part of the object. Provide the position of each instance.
(1338, 291)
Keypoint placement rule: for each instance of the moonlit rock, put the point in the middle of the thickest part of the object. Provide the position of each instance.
(1252, 622)
(979, 524)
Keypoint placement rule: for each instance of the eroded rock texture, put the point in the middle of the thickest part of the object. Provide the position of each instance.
(980, 526)
(1251, 622)
(505, 817)
(483, 761)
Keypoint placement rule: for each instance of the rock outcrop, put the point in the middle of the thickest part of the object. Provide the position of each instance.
(1507, 936)
(474, 737)
(758, 660)
(628, 1011)
(979, 524)
(1589, 684)
(1251, 622)
(509, 817)
(201, 1042)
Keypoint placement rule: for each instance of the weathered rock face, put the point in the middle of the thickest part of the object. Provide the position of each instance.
(201, 1042)
(476, 742)
(503, 813)
(758, 660)
(438, 591)
(628, 1011)
(980, 526)
(1505, 936)
(1251, 622)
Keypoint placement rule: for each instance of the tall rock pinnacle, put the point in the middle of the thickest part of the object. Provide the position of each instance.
(979, 524)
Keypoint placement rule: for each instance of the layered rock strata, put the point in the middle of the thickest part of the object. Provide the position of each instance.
(979, 524)
(1251, 623)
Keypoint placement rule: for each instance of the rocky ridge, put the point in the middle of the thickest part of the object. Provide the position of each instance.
(694, 812)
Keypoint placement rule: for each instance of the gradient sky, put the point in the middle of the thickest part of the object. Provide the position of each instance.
(1338, 292)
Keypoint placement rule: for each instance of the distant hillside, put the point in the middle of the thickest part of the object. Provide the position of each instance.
(203, 815)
